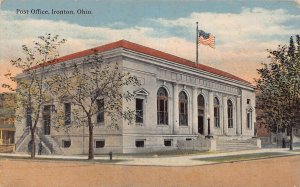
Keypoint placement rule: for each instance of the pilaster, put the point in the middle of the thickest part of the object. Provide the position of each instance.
(238, 116)
(225, 116)
(195, 111)
(211, 112)
(175, 108)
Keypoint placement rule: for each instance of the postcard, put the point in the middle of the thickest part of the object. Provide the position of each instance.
(149, 93)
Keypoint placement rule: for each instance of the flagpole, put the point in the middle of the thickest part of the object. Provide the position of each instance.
(197, 43)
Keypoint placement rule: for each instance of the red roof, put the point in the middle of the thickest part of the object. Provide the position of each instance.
(148, 51)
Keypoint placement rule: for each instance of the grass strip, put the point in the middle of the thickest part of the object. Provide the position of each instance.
(241, 157)
(103, 161)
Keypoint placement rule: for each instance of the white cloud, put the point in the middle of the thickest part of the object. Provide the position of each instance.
(241, 39)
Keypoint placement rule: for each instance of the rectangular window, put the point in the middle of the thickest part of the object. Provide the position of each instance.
(28, 117)
(162, 112)
(188, 139)
(139, 110)
(100, 115)
(67, 113)
(183, 115)
(230, 118)
(66, 143)
(100, 143)
(248, 101)
(168, 142)
(217, 117)
(139, 143)
(249, 114)
(47, 119)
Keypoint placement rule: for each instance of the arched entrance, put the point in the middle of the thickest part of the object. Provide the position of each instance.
(201, 109)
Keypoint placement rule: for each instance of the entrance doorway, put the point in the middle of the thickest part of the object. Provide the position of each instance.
(201, 109)
(200, 124)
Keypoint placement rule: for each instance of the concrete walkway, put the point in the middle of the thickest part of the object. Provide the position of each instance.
(166, 160)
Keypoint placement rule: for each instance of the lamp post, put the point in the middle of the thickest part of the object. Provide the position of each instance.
(208, 125)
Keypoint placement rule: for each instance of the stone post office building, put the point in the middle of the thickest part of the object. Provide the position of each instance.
(177, 100)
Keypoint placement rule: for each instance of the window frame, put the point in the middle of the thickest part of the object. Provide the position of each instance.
(140, 140)
(169, 140)
(100, 117)
(230, 113)
(249, 119)
(183, 102)
(68, 115)
(164, 114)
(65, 141)
(216, 113)
(140, 111)
(28, 113)
(100, 146)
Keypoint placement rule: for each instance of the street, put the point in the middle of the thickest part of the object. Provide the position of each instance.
(281, 171)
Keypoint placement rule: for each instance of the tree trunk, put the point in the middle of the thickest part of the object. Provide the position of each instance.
(291, 139)
(32, 143)
(91, 139)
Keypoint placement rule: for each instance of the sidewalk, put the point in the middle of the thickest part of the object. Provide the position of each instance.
(178, 160)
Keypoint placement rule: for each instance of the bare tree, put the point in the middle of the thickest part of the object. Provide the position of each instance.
(32, 90)
(93, 87)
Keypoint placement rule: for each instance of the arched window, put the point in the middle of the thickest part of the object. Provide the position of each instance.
(230, 113)
(201, 105)
(162, 106)
(217, 112)
(183, 109)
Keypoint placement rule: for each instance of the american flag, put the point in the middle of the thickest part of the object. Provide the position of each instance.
(206, 39)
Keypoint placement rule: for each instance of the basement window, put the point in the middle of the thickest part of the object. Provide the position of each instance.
(66, 143)
(139, 143)
(168, 142)
(100, 143)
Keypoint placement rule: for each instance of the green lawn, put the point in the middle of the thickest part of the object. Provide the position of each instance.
(241, 157)
(105, 161)
(164, 153)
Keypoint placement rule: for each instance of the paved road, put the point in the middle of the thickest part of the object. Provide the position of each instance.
(282, 171)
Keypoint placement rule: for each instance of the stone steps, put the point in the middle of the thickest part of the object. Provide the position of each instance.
(234, 145)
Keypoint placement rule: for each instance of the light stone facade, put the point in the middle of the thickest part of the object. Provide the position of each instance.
(155, 70)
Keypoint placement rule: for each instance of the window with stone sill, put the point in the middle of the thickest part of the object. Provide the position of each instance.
(67, 114)
(139, 111)
(162, 106)
(28, 114)
(168, 142)
(183, 109)
(139, 143)
(230, 113)
(99, 143)
(100, 114)
(66, 143)
(217, 112)
(249, 119)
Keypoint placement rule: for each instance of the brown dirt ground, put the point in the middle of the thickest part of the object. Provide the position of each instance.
(283, 171)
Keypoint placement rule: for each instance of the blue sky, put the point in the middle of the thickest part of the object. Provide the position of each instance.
(243, 29)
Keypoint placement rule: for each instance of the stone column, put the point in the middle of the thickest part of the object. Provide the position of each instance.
(238, 116)
(195, 111)
(175, 108)
(211, 112)
(225, 116)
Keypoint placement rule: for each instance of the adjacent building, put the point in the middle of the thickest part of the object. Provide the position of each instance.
(7, 122)
(177, 100)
